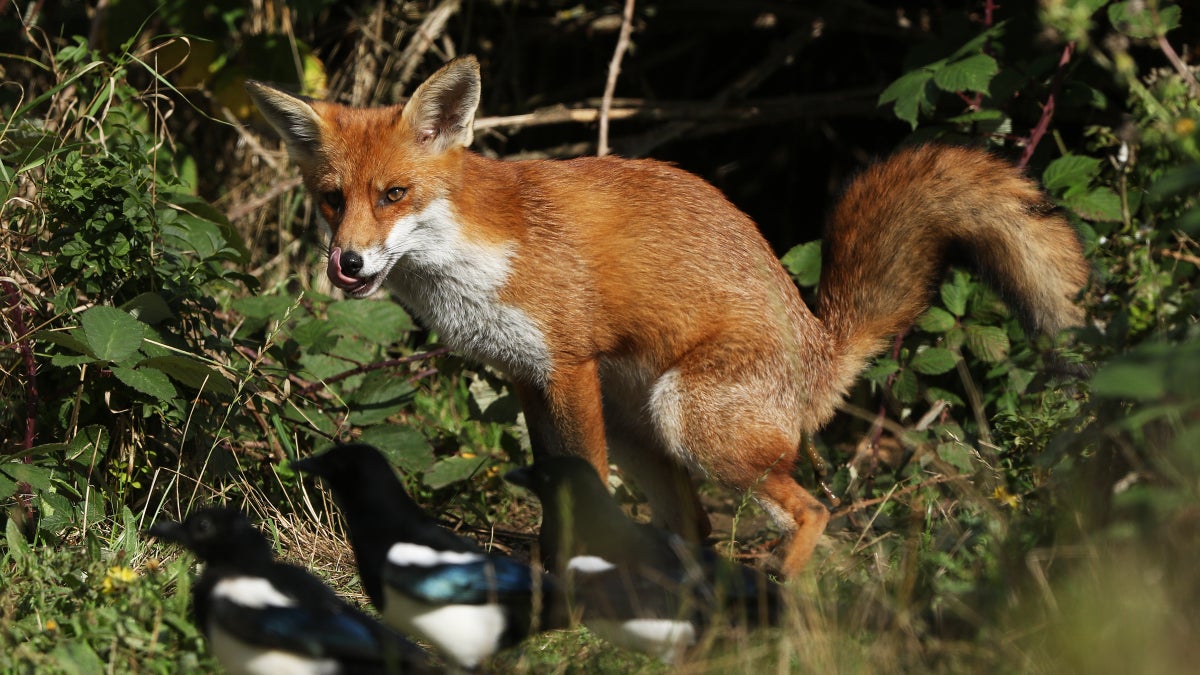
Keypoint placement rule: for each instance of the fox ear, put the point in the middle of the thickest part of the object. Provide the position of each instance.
(442, 111)
(292, 116)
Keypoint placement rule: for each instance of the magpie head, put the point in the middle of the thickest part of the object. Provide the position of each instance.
(344, 466)
(215, 534)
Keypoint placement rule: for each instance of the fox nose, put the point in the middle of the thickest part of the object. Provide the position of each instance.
(351, 263)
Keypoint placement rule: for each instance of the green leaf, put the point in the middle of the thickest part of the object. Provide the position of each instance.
(936, 320)
(955, 292)
(934, 361)
(90, 441)
(1101, 204)
(18, 546)
(111, 334)
(906, 388)
(314, 335)
(1137, 21)
(149, 308)
(882, 369)
(989, 343)
(973, 73)
(381, 395)
(803, 262)
(36, 475)
(148, 381)
(910, 94)
(379, 321)
(1070, 171)
(191, 373)
(453, 469)
(71, 339)
(407, 449)
(956, 454)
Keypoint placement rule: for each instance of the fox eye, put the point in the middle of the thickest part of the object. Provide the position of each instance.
(395, 194)
(334, 199)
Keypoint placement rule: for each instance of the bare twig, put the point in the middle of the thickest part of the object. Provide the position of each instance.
(429, 31)
(1178, 64)
(1043, 123)
(614, 69)
(254, 204)
(859, 506)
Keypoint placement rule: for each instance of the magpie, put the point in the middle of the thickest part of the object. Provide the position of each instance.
(634, 584)
(425, 580)
(265, 616)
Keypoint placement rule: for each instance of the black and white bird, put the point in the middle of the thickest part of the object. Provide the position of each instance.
(263, 616)
(636, 585)
(425, 580)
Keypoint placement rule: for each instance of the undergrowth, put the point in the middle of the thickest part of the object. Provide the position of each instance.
(1001, 502)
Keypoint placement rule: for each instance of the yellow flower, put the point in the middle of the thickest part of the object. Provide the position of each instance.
(117, 576)
(1185, 126)
(467, 455)
(51, 625)
(1002, 495)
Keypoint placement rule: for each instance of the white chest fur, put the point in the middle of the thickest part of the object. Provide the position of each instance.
(453, 284)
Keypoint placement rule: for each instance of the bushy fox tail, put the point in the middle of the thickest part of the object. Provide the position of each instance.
(903, 220)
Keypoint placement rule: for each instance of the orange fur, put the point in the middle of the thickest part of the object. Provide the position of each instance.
(638, 311)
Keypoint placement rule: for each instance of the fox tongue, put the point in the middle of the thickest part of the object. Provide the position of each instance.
(335, 271)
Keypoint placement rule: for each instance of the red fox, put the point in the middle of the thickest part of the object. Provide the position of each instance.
(635, 309)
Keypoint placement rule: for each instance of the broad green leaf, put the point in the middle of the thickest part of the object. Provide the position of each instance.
(91, 441)
(934, 361)
(910, 94)
(149, 308)
(380, 321)
(989, 343)
(1100, 204)
(973, 73)
(407, 449)
(147, 380)
(882, 369)
(955, 292)
(191, 373)
(75, 657)
(936, 320)
(956, 454)
(381, 395)
(36, 475)
(71, 339)
(18, 547)
(803, 262)
(452, 470)
(111, 334)
(1070, 171)
(906, 388)
(314, 335)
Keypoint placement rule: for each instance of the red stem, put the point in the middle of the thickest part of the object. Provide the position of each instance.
(1043, 124)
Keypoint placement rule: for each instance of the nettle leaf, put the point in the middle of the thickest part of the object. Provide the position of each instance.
(148, 381)
(36, 475)
(405, 448)
(910, 93)
(149, 308)
(936, 320)
(1070, 171)
(989, 343)
(453, 470)
(111, 334)
(803, 262)
(69, 339)
(933, 361)
(314, 335)
(973, 73)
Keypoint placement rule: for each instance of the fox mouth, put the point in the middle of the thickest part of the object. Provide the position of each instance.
(358, 286)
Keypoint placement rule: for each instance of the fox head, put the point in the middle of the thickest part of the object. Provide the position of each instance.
(380, 176)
